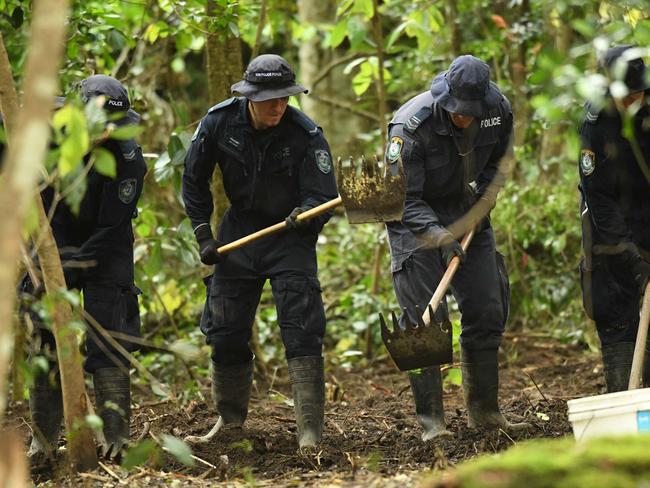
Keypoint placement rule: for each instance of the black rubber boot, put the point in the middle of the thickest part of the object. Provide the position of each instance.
(46, 407)
(481, 390)
(617, 362)
(307, 377)
(113, 397)
(426, 386)
(231, 389)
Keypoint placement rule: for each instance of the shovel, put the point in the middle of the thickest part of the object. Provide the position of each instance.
(639, 348)
(368, 194)
(425, 343)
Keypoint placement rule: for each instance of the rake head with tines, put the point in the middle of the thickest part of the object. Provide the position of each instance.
(371, 192)
(417, 345)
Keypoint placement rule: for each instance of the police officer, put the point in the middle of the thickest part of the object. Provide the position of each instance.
(451, 140)
(276, 164)
(615, 187)
(96, 247)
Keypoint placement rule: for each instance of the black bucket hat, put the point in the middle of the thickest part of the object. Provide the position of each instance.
(117, 98)
(466, 88)
(268, 76)
(634, 78)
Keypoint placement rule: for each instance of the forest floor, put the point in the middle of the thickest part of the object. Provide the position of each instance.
(371, 434)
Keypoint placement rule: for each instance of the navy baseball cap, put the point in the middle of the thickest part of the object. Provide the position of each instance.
(117, 98)
(465, 88)
(634, 74)
(268, 76)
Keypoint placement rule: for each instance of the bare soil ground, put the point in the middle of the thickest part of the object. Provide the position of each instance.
(371, 435)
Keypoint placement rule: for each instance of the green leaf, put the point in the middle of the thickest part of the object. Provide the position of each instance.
(139, 454)
(179, 449)
(76, 141)
(397, 32)
(126, 132)
(343, 7)
(94, 422)
(178, 65)
(152, 33)
(339, 33)
(104, 161)
(245, 445)
(363, 7)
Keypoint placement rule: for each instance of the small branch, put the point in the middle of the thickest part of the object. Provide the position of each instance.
(536, 386)
(325, 71)
(346, 106)
(260, 29)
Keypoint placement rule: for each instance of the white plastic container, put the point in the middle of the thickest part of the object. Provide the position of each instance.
(620, 413)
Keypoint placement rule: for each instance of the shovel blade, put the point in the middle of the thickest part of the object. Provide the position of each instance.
(370, 192)
(418, 347)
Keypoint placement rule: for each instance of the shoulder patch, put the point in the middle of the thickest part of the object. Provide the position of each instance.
(416, 119)
(587, 161)
(129, 150)
(224, 104)
(394, 149)
(305, 122)
(126, 190)
(323, 160)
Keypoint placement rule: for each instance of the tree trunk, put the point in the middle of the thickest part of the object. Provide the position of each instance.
(13, 465)
(29, 134)
(553, 138)
(224, 68)
(452, 21)
(322, 73)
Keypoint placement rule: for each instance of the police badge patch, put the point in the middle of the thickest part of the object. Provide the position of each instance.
(395, 148)
(323, 160)
(587, 162)
(126, 190)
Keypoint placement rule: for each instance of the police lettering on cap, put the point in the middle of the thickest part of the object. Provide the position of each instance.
(466, 88)
(623, 63)
(117, 98)
(268, 76)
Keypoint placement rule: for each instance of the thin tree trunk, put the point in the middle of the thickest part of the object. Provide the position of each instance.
(260, 28)
(452, 21)
(224, 67)
(13, 465)
(28, 137)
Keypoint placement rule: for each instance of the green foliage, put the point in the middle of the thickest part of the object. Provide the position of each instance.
(179, 449)
(139, 454)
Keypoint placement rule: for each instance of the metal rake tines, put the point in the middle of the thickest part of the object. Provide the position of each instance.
(409, 325)
(371, 191)
(416, 344)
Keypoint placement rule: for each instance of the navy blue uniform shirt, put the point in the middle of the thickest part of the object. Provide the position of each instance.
(612, 181)
(100, 236)
(446, 168)
(266, 174)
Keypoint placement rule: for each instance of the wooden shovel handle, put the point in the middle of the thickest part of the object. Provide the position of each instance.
(446, 280)
(641, 337)
(312, 212)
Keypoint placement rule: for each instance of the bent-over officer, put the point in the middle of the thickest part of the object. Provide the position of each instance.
(615, 188)
(276, 164)
(451, 140)
(96, 248)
